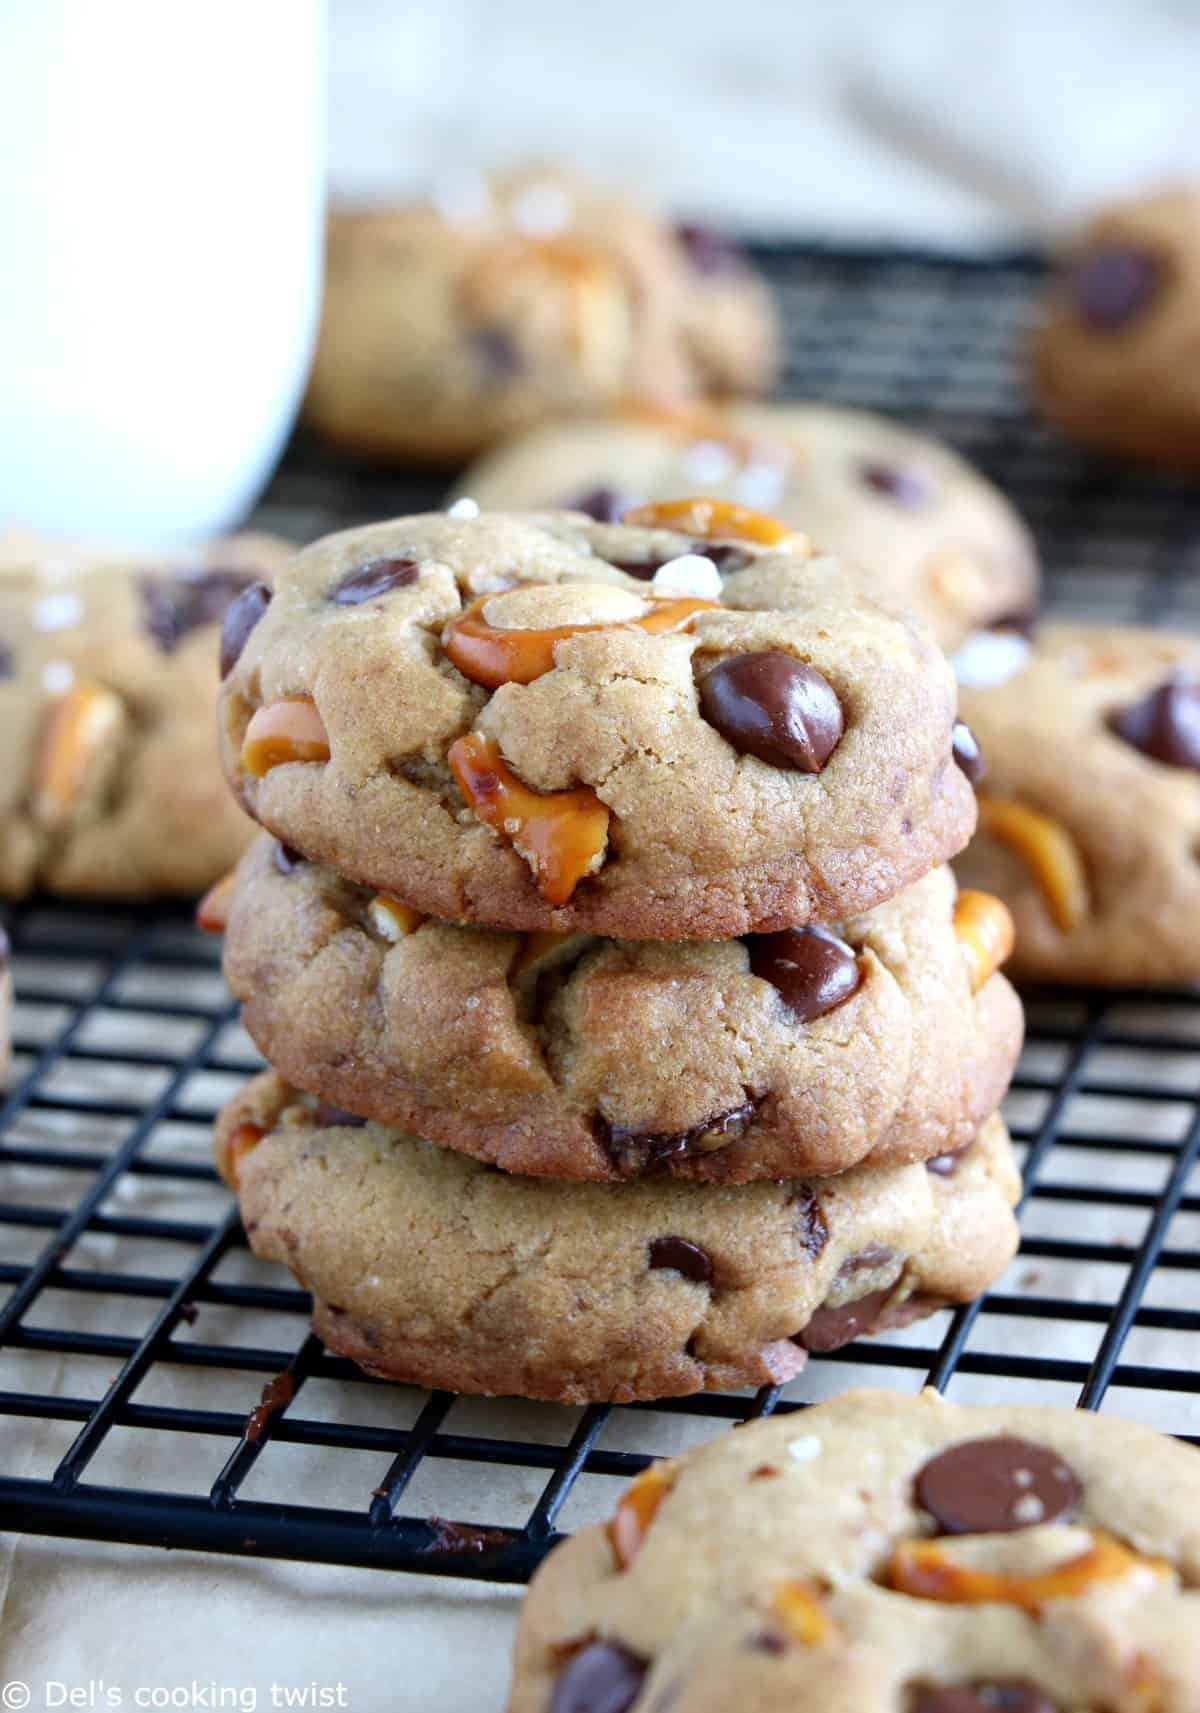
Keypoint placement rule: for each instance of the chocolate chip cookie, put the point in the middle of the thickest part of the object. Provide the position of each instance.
(888, 1038)
(689, 726)
(883, 1554)
(1117, 357)
(426, 1266)
(108, 675)
(1089, 814)
(948, 543)
(449, 324)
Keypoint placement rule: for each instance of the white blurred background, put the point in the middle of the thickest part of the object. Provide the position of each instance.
(944, 121)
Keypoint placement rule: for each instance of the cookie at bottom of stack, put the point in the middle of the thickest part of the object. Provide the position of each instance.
(883, 1554)
(426, 1266)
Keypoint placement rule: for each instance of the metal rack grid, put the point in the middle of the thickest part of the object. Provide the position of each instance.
(158, 1329)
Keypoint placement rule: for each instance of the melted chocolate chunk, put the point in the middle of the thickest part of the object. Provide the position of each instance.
(812, 971)
(680, 1256)
(174, 604)
(726, 558)
(773, 706)
(241, 616)
(605, 505)
(601, 1678)
(830, 1328)
(811, 1228)
(287, 860)
(708, 251)
(1012, 1695)
(875, 1255)
(1113, 284)
(636, 1151)
(496, 352)
(6, 661)
(900, 482)
(1165, 725)
(964, 746)
(995, 1485)
(376, 577)
(323, 1113)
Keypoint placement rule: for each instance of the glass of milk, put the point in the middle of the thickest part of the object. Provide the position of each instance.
(161, 215)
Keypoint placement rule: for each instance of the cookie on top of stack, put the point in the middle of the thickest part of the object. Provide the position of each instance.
(629, 1037)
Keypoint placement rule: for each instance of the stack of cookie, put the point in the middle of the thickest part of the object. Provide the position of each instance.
(629, 1037)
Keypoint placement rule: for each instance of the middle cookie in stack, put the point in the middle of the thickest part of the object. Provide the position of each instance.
(565, 728)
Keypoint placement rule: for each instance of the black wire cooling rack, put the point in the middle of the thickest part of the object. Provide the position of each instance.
(159, 1386)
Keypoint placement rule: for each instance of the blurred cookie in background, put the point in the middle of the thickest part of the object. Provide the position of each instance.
(911, 510)
(1089, 809)
(1117, 356)
(108, 681)
(502, 303)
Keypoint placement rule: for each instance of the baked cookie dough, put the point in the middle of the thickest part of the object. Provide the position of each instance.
(426, 1266)
(1089, 823)
(108, 676)
(450, 324)
(886, 1038)
(947, 543)
(536, 722)
(1117, 356)
(883, 1554)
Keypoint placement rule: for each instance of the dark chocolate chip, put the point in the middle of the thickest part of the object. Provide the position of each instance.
(287, 860)
(642, 569)
(337, 1116)
(866, 1260)
(496, 352)
(636, 1151)
(964, 746)
(945, 1165)
(1113, 284)
(708, 251)
(811, 1228)
(812, 971)
(376, 577)
(899, 482)
(174, 603)
(1013, 1695)
(724, 556)
(1165, 725)
(6, 661)
(773, 706)
(768, 1642)
(601, 1678)
(992, 1486)
(605, 505)
(830, 1328)
(680, 1256)
(241, 616)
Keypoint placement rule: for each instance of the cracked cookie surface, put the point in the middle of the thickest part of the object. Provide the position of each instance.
(584, 1058)
(945, 541)
(1118, 352)
(108, 680)
(1090, 810)
(427, 1266)
(443, 329)
(883, 1554)
(602, 769)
